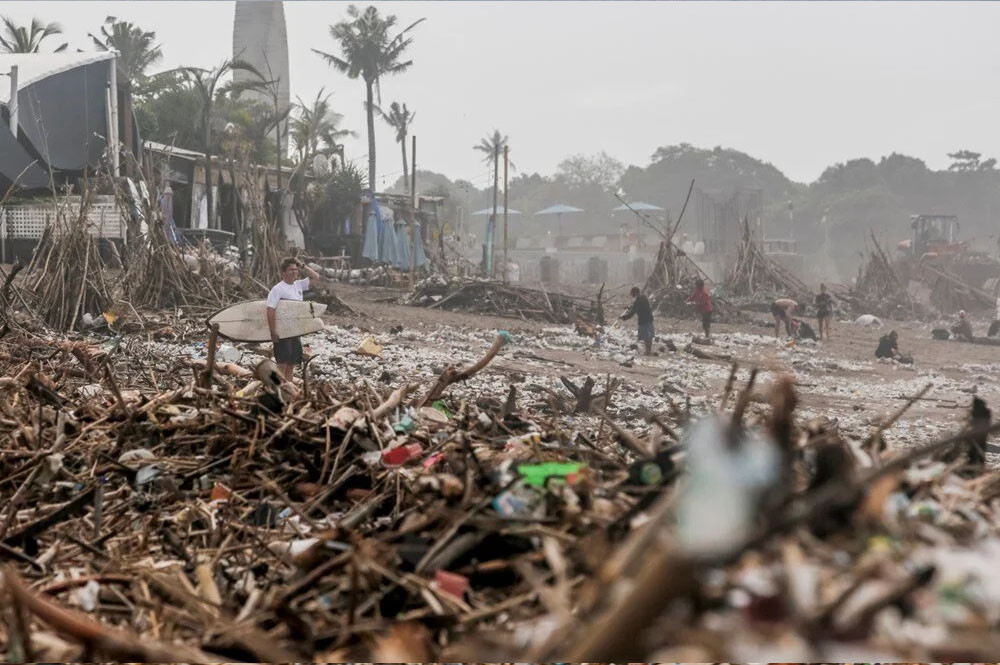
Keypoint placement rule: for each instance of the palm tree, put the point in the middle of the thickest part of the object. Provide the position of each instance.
(400, 119)
(369, 52)
(137, 52)
(492, 145)
(19, 39)
(315, 128)
(207, 83)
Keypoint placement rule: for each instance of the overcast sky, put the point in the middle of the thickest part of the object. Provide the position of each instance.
(799, 84)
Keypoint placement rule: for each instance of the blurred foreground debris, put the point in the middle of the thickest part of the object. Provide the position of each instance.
(221, 515)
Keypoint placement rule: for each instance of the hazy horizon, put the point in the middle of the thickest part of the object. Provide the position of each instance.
(799, 85)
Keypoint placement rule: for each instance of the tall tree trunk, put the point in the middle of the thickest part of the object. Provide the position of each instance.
(370, 109)
(496, 186)
(208, 167)
(406, 168)
(277, 134)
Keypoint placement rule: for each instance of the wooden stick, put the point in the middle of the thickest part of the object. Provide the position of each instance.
(450, 376)
(206, 377)
(394, 400)
(107, 641)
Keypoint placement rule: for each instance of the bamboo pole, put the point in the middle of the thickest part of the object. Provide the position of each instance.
(413, 218)
(506, 162)
(493, 235)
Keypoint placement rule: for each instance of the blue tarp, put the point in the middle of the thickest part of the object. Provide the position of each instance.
(387, 244)
(419, 251)
(370, 248)
(384, 244)
(489, 246)
(403, 249)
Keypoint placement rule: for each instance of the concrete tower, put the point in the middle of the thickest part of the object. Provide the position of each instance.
(259, 37)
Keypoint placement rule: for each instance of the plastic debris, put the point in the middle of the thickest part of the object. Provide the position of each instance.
(368, 347)
(540, 475)
(401, 454)
(451, 583)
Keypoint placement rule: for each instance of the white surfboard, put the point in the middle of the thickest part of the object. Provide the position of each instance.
(247, 321)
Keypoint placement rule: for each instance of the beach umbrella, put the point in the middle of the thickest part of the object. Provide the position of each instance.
(639, 205)
(558, 210)
(489, 211)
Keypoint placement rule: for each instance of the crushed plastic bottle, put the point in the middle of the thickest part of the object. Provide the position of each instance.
(717, 506)
(520, 501)
(405, 425)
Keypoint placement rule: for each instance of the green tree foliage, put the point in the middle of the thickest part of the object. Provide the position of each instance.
(166, 116)
(369, 50)
(315, 128)
(324, 204)
(28, 39)
(964, 161)
(601, 170)
(137, 50)
(209, 86)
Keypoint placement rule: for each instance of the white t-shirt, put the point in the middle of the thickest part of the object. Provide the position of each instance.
(285, 291)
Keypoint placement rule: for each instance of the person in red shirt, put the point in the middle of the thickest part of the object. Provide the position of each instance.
(703, 305)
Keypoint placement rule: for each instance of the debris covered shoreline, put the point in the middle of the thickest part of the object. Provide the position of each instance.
(379, 515)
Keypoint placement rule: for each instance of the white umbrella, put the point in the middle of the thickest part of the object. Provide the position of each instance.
(489, 211)
(638, 205)
(558, 210)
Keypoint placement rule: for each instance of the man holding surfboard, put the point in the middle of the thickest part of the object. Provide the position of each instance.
(288, 351)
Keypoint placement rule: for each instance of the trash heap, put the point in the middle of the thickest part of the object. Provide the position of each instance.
(482, 296)
(210, 512)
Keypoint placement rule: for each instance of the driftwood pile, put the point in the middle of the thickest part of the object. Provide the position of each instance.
(671, 282)
(156, 512)
(66, 277)
(755, 277)
(949, 293)
(480, 296)
(880, 289)
(163, 275)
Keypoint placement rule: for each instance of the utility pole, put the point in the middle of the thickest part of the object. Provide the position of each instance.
(413, 218)
(505, 163)
(496, 183)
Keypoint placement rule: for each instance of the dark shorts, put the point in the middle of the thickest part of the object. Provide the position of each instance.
(824, 314)
(288, 351)
(778, 312)
(646, 332)
(706, 318)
